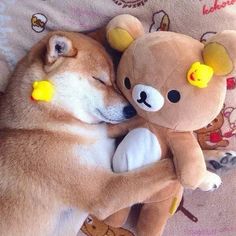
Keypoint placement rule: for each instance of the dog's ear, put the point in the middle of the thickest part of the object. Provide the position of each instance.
(59, 46)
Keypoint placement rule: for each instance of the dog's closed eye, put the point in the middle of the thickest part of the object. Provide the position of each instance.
(99, 79)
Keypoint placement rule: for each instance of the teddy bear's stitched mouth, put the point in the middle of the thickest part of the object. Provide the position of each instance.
(144, 102)
(143, 97)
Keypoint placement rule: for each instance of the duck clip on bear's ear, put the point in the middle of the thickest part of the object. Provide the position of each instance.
(219, 55)
(122, 30)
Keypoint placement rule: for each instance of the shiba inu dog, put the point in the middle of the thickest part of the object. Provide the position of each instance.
(55, 154)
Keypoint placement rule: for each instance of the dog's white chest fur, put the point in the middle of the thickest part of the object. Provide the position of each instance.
(140, 147)
(99, 153)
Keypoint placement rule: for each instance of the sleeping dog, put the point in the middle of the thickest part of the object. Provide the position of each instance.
(55, 154)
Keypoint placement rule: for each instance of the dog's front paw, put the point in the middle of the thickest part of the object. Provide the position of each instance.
(211, 182)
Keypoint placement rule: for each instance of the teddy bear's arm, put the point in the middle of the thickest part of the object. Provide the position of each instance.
(188, 158)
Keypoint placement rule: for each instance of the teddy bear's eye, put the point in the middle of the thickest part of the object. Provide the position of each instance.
(174, 96)
(127, 83)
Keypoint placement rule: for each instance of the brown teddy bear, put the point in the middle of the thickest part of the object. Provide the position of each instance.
(177, 85)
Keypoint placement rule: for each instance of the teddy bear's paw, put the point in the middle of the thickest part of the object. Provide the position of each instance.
(211, 182)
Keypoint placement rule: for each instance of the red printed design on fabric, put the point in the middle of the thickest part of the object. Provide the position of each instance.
(215, 137)
(211, 136)
(231, 83)
(217, 5)
(230, 115)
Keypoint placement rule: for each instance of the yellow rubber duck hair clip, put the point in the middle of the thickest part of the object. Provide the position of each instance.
(199, 75)
(42, 91)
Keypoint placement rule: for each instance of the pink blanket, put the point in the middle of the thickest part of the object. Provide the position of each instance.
(23, 22)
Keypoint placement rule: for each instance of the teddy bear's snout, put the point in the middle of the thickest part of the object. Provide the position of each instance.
(147, 97)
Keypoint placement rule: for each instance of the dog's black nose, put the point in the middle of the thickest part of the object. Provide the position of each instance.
(129, 111)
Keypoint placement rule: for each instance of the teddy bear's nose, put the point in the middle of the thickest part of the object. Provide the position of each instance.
(129, 111)
(143, 97)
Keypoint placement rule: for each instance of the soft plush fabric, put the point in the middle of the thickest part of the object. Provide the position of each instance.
(197, 18)
(23, 22)
(202, 214)
(172, 92)
(210, 214)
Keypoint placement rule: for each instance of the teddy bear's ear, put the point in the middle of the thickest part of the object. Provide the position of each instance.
(122, 30)
(220, 52)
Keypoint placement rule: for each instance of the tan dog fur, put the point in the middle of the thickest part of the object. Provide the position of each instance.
(55, 157)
